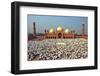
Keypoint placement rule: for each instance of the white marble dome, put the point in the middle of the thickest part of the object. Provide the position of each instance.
(66, 30)
(59, 28)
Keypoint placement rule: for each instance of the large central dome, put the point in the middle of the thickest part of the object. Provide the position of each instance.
(59, 28)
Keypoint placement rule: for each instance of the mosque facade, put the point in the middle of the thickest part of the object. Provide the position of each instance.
(60, 32)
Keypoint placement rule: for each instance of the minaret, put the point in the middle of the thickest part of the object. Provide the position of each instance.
(83, 25)
(34, 30)
(45, 31)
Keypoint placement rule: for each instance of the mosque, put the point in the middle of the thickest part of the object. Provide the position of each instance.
(59, 33)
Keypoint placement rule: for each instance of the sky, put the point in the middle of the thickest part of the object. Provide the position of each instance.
(49, 21)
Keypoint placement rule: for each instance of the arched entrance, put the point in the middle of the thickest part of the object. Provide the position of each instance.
(59, 35)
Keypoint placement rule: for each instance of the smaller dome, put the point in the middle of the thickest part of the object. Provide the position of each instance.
(59, 29)
(66, 30)
(51, 30)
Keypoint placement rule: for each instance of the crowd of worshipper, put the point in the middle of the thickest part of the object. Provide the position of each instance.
(56, 49)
